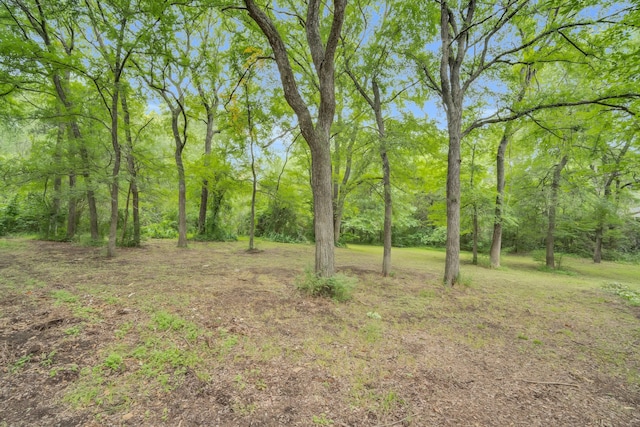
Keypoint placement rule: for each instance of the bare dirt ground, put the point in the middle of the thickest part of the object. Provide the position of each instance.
(215, 336)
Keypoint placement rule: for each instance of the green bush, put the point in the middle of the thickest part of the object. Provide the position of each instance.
(338, 287)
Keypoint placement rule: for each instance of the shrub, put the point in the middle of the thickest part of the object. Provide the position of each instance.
(338, 287)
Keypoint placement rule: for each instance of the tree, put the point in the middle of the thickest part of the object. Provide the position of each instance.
(315, 134)
(476, 40)
(46, 28)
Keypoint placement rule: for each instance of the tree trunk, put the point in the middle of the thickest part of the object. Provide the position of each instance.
(54, 216)
(340, 186)
(115, 172)
(496, 242)
(476, 231)
(555, 185)
(126, 217)
(73, 207)
(386, 179)
(317, 135)
(254, 176)
(322, 208)
(474, 212)
(133, 173)
(597, 252)
(204, 193)
(182, 186)
(452, 258)
(60, 86)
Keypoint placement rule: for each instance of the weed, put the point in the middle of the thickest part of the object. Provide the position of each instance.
(18, 364)
(48, 360)
(338, 287)
(374, 315)
(73, 330)
(389, 401)
(123, 330)
(113, 361)
(322, 420)
(63, 296)
(239, 380)
(242, 409)
(624, 292)
(522, 336)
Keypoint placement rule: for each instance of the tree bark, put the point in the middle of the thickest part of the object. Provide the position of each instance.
(115, 171)
(555, 185)
(386, 179)
(340, 189)
(597, 252)
(496, 241)
(254, 176)
(54, 216)
(182, 186)
(452, 95)
(60, 86)
(474, 213)
(210, 108)
(317, 135)
(72, 219)
(133, 173)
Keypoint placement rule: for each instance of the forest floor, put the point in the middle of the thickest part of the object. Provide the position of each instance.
(215, 336)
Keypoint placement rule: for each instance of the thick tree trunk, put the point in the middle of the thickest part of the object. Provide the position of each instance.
(553, 202)
(496, 241)
(597, 252)
(323, 209)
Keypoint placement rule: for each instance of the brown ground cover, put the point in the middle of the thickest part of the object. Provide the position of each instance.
(215, 336)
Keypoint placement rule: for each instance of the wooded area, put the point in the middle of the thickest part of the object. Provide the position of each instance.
(500, 126)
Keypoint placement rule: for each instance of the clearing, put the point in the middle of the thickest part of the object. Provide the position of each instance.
(215, 336)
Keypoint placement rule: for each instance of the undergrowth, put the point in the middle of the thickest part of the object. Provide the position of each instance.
(624, 292)
(338, 287)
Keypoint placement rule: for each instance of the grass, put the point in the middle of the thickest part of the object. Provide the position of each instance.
(217, 320)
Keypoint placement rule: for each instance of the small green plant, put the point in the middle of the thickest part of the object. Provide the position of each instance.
(123, 330)
(63, 296)
(113, 361)
(18, 364)
(48, 360)
(73, 330)
(624, 292)
(374, 315)
(522, 336)
(338, 287)
(322, 420)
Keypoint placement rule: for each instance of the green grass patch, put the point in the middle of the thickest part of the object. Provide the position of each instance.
(338, 287)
